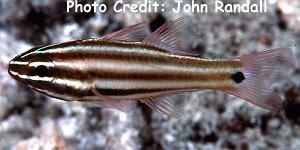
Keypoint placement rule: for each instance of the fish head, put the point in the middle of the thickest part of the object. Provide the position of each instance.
(32, 69)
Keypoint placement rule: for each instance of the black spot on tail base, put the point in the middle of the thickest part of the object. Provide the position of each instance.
(238, 77)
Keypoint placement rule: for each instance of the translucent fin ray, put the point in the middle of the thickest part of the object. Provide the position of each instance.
(131, 33)
(103, 101)
(170, 37)
(162, 105)
(261, 70)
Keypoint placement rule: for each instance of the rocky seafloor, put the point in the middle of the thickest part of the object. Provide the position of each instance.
(211, 120)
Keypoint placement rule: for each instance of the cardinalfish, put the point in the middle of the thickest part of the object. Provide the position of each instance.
(120, 68)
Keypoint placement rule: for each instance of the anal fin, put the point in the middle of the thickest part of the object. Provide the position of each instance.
(162, 105)
(103, 101)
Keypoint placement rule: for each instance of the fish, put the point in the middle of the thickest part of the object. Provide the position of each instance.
(121, 68)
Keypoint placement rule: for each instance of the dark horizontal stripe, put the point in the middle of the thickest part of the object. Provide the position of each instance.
(80, 93)
(65, 89)
(95, 42)
(87, 54)
(128, 92)
(92, 74)
(131, 92)
(89, 74)
(20, 69)
(46, 87)
(78, 74)
(139, 45)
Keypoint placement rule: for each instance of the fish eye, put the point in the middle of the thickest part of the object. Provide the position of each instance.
(41, 71)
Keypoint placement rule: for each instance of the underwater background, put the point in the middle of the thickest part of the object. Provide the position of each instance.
(212, 120)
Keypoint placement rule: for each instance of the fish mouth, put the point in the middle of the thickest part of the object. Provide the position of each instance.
(10, 72)
(15, 75)
(15, 68)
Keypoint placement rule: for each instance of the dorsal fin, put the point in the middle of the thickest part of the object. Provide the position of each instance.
(170, 37)
(132, 33)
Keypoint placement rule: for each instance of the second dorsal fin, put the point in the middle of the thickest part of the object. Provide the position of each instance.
(132, 33)
(170, 37)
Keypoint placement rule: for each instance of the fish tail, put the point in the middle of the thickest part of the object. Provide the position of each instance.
(260, 70)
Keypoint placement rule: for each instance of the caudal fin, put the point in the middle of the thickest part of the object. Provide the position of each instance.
(261, 70)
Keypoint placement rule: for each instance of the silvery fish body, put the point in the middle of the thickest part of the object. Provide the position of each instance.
(117, 70)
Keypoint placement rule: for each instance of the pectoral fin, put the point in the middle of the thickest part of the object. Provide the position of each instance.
(103, 101)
